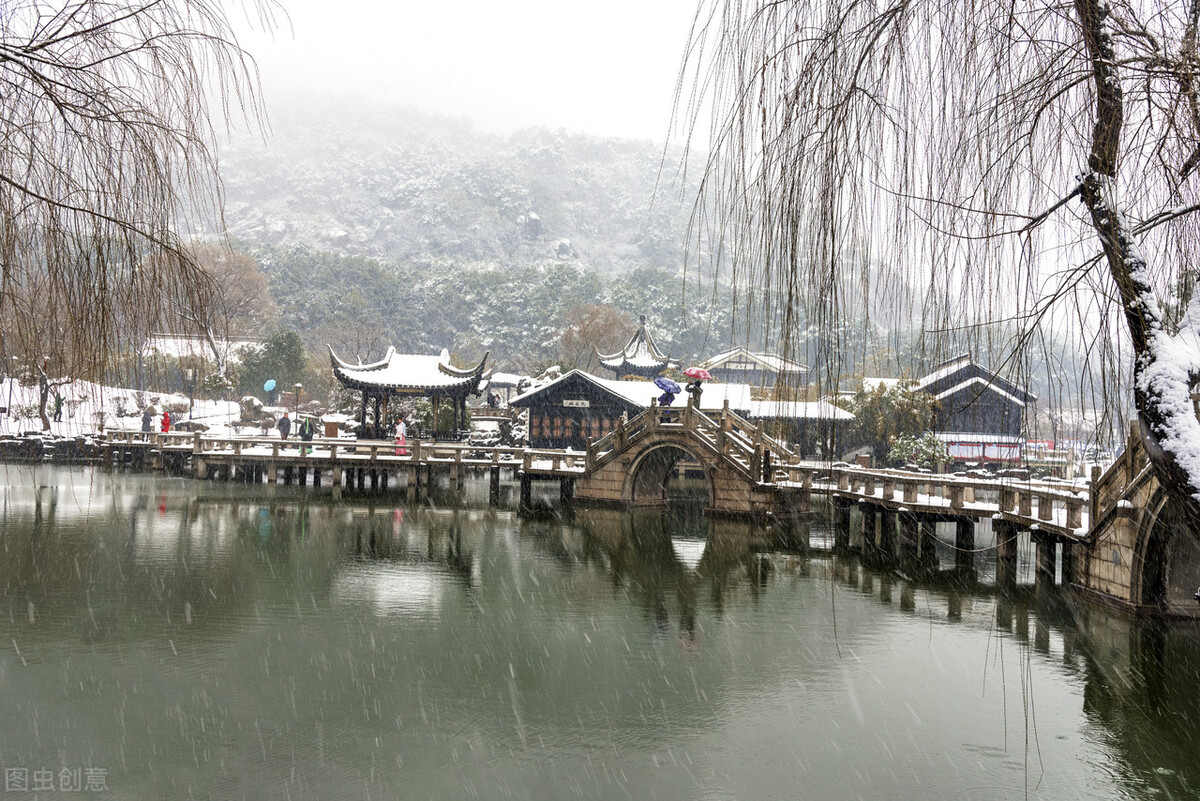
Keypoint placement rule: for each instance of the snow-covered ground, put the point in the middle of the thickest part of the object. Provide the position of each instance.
(88, 408)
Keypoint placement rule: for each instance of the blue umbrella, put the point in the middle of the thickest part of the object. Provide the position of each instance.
(667, 385)
(269, 385)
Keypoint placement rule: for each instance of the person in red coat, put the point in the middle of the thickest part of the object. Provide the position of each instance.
(166, 421)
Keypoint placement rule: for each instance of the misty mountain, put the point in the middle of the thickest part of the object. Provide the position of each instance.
(392, 183)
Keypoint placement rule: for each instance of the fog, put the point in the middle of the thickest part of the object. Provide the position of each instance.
(608, 70)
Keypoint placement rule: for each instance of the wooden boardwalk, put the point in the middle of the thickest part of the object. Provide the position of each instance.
(1110, 535)
(746, 461)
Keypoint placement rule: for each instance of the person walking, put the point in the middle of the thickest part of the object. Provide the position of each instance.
(306, 433)
(166, 422)
(401, 438)
(285, 426)
(58, 406)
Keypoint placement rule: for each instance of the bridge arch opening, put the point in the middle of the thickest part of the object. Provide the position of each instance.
(1170, 558)
(670, 474)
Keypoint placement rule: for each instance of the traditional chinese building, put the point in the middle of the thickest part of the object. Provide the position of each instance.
(756, 369)
(980, 415)
(640, 357)
(406, 375)
(567, 411)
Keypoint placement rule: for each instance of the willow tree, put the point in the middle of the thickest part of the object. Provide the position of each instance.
(1026, 165)
(107, 113)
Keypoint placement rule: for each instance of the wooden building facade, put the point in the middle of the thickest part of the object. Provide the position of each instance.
(756, 369)
(579, 405)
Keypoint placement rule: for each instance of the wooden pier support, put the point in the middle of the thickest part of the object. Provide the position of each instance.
(869, 542)
(494, 486)
(964, 545)
(909, 540)
(887, 536)
(1045, 558)
(841, 525)
(929, 556)
(1069, 563)
(1006, 552)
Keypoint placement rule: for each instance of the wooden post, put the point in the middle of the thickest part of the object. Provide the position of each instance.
(1074, 514)
(1045, 557)
(526, 502)
(494, 486)
(869, 546)
(887, 535)
(909, 540)
(964, 544)
(1068, 563)
(841, 525)
(1006, 552)
(337, 482)
(1045, 506)
(929, 557)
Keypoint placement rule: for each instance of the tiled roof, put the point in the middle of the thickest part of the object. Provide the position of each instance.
(639, 352)
(409, 372)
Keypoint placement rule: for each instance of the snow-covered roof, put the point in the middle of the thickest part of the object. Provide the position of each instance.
(992, 380)
(645, 393)
(409, 373)
(181, 346)
(797, 410)
(944, 369)
(741, 358)
(983, 384)
(640, 352)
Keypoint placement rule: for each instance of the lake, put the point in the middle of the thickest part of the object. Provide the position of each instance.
(169, 638)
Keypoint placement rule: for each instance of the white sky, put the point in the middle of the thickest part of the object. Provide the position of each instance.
(604, 68)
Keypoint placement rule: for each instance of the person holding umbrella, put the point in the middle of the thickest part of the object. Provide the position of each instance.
(670, 390)
(694, 389)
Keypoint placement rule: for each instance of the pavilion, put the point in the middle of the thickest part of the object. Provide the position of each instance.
(406, 375)
(640, 357)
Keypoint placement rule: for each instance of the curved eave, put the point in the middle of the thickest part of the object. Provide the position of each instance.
(476, 371)
(467, 386)
(379, 365)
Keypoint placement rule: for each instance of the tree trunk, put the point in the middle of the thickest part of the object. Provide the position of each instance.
(43, 399)
(1161, 389)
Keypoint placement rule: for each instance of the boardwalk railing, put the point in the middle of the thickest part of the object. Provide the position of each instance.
(1058, 507)
(349, 451)
(742, 444)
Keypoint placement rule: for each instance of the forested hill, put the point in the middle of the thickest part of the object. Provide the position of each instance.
(396, 184)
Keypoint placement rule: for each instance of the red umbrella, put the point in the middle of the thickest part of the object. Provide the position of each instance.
(698, 373)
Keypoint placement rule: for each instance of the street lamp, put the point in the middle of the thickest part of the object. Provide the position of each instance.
(298, 386)
(190, 375)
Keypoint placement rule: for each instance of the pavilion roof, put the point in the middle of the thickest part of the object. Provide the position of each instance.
(639, 353)
(410, 373)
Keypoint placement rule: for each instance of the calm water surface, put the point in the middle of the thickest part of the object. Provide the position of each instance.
(163, 638)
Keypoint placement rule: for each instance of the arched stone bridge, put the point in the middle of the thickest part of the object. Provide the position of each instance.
(632, 465)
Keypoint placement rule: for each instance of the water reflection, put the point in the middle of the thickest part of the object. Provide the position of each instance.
(239, 646)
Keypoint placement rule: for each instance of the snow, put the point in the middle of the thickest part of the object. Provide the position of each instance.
(88, 408)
